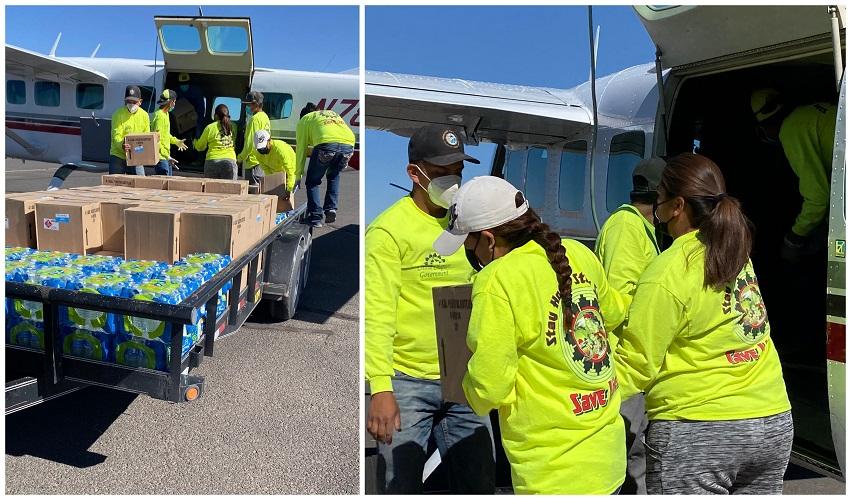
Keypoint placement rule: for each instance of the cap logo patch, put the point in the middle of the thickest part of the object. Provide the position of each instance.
(453, 216)
(132, 92)
(450, 139)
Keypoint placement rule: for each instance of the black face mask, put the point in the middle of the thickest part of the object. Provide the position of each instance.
(471, 256)
(661, 226)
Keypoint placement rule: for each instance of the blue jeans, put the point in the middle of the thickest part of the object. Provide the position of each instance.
(163, 168)
(326, 160)
(119, 166)
(464, 439)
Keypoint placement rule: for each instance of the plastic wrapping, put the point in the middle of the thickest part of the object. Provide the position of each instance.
(96, 263)
(142, 270)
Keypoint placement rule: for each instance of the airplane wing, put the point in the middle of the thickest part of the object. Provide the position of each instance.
(486, 111)
(26, 63)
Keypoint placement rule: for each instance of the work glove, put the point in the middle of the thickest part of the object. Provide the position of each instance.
(173, 163)
(126, 148)
(181, 145)
(794, 247)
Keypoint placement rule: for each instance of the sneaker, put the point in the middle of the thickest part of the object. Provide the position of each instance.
(315, 223)
(330, 216)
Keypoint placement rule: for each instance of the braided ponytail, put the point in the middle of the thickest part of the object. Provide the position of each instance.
(528, 227)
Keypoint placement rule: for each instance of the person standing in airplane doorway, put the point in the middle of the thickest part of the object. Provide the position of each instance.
(162, 125)
(128, 119)
(806, 135)
(323, 136)
(406, 407)
(697, 342)
(625, 246)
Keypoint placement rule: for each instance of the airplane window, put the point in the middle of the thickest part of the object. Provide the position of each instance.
(277, 106)
(46, 93)
(536, 176)
(571, 177)
(234, 105)
(180, 38)
(514, 168)
(16, 92)
(625, 152)
(227, 39)
(89, 96)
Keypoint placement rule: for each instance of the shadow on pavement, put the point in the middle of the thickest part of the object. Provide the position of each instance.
(62, 430)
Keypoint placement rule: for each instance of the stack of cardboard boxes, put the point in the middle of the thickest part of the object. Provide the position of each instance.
(153, 218)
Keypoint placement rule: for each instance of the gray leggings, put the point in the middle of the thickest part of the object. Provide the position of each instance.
(220, 169)
(721, 457)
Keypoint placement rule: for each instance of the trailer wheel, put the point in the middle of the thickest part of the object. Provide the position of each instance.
(284, 309)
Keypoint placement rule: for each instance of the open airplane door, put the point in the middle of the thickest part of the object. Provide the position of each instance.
(212, 46)
(717, 35)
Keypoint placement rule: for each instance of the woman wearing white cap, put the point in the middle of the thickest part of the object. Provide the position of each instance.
(538, 333)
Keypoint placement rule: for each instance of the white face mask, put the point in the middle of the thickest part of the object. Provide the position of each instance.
(132, 107)
(441, 190)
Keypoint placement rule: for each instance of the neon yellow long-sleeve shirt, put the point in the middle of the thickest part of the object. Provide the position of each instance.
(248, 155)
(123, 123)
(556, 391)
(281, 158)
(319, 127)
(699, 353)
(221, 146)
(807, 139)
(625, 246)
(161, 124)
(401, 268)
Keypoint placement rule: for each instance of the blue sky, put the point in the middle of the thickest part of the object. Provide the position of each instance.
(536, 46)
(279, 32)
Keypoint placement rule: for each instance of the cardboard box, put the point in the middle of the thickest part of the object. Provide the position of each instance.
(151, 182)
(185, 116)
(452, 308)
(68, 226)
(153, 233)
(20, 219)
(226, 186)
(276, 184)
(123, 180)
(144, 148)
(112, 222)
(185, 184)
(222, 230)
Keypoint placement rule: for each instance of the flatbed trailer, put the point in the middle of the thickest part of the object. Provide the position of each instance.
(34, 375)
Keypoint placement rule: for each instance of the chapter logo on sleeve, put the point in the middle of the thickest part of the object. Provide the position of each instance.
(745, 298)
(586, 343)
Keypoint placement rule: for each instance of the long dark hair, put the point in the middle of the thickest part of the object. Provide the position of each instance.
(223, 117)
(718, 217)
(528, 227)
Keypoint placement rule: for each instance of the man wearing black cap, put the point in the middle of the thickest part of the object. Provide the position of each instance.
(626, 245)
(259, 121)
(162, 125)
(406, 407)
(128, 119)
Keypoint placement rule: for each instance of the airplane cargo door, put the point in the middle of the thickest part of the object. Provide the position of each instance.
(207, 45)
(96, 138)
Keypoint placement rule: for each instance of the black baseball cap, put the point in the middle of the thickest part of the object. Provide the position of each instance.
(253, 97)
(132, 92)
(647, 175)
(438, 145)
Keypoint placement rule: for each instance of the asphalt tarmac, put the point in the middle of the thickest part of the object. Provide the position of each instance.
(279, 414)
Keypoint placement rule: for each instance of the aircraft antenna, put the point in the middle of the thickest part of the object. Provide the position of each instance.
(400, 187)
(55, 44)
(593, 61)
(94, 52)
(200, 12)
(154, 79)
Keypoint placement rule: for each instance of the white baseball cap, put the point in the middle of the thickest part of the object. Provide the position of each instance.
(261, 139)
(482, 203)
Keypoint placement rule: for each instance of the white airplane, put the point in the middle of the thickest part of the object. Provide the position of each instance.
(572, 152)
(58, 109)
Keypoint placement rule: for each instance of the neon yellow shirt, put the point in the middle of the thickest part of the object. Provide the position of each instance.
(161, 124)
(248, 155)
(807, 139)
(320, 127)
(220, 145)
(698, 353)
(625, 246)
(559, 407)
(401, 268)
(123, 123)
(281, 158)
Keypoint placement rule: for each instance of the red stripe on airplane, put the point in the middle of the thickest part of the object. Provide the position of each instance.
(37, 127)
(836, 342)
